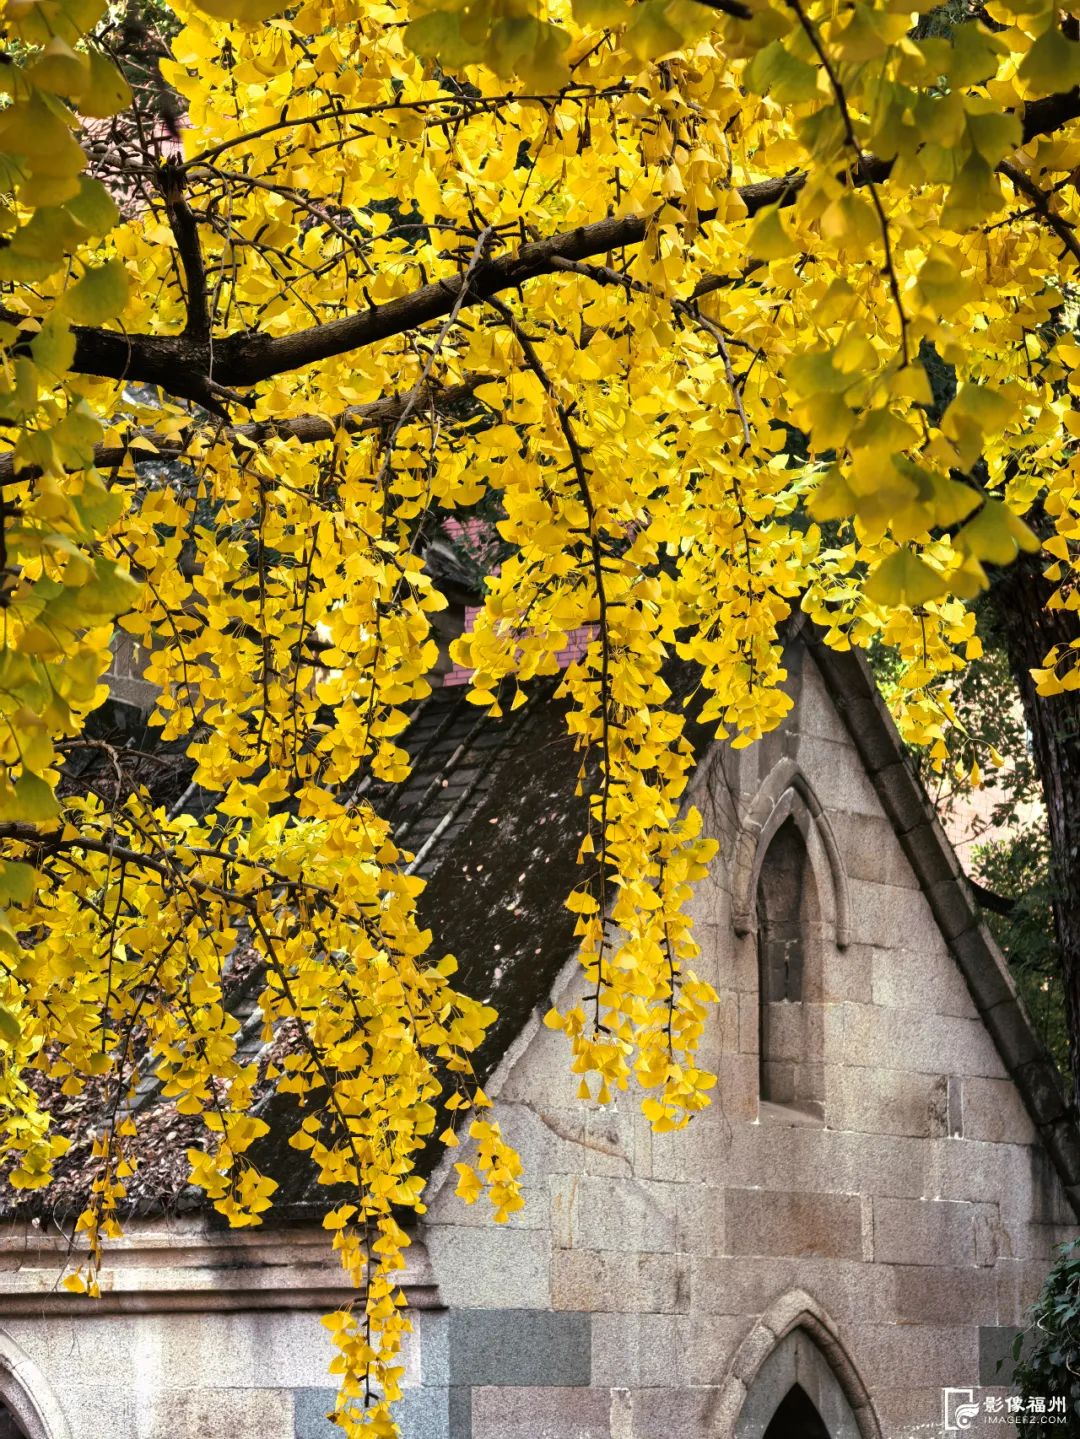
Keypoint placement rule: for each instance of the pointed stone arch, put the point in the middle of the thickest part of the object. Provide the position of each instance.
(27, 1394)
(786, 794)
(794, 1342)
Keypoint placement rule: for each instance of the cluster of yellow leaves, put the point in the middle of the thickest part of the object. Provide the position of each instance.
(686, 435)
(58, 592)
(496, 1168)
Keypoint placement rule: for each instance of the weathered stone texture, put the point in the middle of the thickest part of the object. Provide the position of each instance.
(880, 1101)
(889, 916)
(909, 1410)
(841, 785)
(814, 715)
(672, 1413)
(925, 1354)
(925, 1043)
(710, 1340)
(644, 1350)
(214, 1413)
(922, 980)
(519, 1347)
(614, 1281)
(847, 1289)
(871, 853)
(311, 1411)
(768, 1222)
(992, 1110)
(931, 1294)
(541, 1413)
(476, 1266)
(848, 974)
(422, 1414)
(99, 1409)
(906, 1231)
(778, 1156)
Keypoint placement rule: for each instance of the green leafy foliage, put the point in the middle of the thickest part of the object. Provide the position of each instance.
(1048, 1353)
(1009, 851)
(1018, 868)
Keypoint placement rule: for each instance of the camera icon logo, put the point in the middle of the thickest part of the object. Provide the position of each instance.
(960, 1409)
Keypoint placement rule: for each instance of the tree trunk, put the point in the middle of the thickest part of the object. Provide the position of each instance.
(1018, 597)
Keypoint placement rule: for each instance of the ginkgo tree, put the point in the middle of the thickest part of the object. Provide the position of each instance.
(661, 279)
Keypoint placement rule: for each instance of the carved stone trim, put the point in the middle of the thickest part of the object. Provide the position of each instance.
(158, 1269)
(27, 1394)
(795, 1334)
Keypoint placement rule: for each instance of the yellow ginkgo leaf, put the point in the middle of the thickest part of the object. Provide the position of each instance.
(60, 69)
(601, 13)
(99, 296)
(903, 578)
(769, 238)
(10, 1028)
(249, 12)
(995, 534)
(651, 33)
(33, 128)
(1052, 64)
(107, 92)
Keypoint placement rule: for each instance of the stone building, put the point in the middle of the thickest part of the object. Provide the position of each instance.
(856, 1224)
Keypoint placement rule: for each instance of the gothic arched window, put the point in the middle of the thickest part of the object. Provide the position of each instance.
(801, 1390)
(790, 1040)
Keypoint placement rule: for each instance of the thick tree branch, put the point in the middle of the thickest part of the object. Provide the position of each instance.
(167, 868)
(990, 899)
(1043, 117)
(185, 367)
(188, 367)
(186, 231)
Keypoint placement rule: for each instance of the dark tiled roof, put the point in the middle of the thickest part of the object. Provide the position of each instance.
(490, 816)
(457, 750)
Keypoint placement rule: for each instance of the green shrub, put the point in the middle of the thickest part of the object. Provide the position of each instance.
(1047, 1354)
